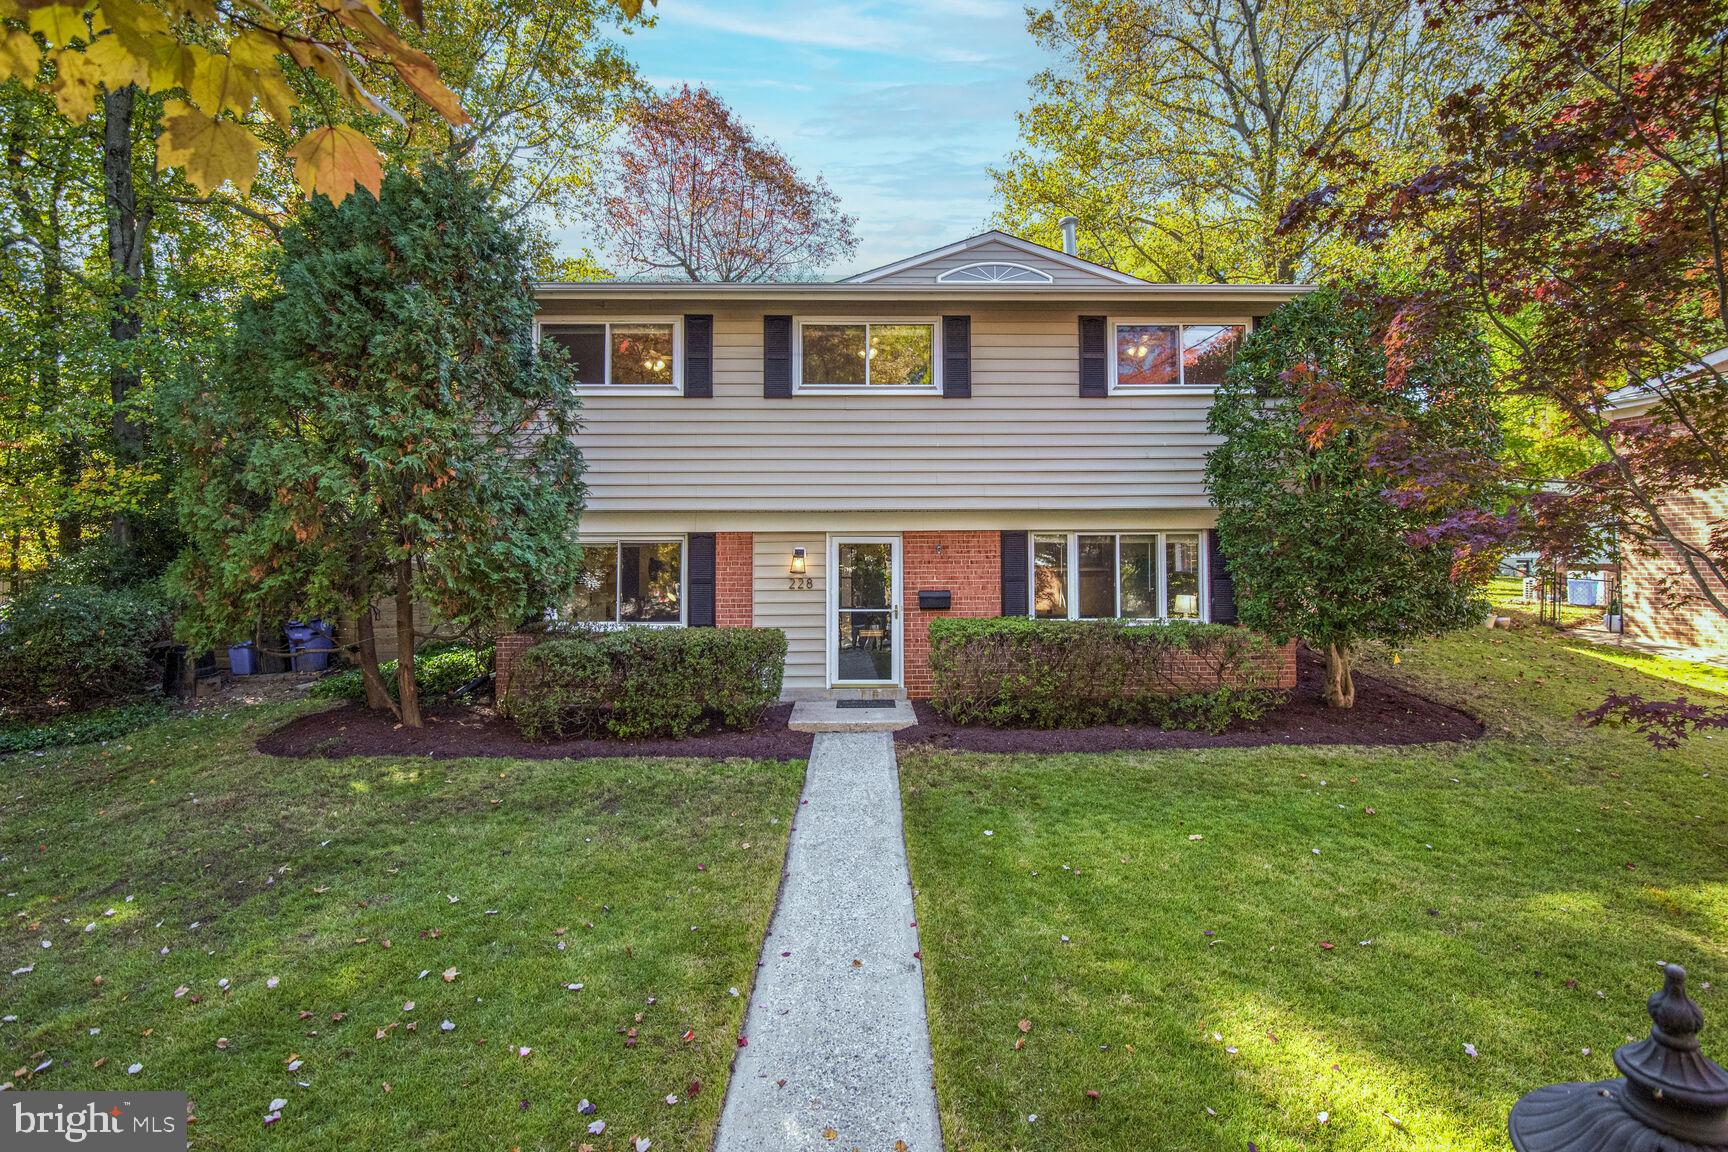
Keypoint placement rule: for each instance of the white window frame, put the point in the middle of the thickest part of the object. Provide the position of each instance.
(1181, 387)
(934, 388)
(683, 542)
(676, 388)
(1072, 561)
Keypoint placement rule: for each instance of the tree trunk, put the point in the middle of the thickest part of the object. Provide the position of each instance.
(127, 227)
(409, 696)
(1340, 686)
(377, 696)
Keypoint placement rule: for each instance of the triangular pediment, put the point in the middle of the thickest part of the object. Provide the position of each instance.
(994, 259)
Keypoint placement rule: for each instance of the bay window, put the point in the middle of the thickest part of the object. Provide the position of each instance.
(630, 582)
(1129, 575)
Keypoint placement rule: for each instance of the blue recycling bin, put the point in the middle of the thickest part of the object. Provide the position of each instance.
(309, 645)
(242, 660)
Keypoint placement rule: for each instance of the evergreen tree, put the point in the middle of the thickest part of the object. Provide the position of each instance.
(1353, 433)
(384, 427)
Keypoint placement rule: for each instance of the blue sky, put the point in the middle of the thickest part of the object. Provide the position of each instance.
(901, 106)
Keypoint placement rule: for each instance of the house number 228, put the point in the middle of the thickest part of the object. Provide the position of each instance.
(800, 583)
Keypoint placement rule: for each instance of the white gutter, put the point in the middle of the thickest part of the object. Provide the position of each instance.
(1273, 294)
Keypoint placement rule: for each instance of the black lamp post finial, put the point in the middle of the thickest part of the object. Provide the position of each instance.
(1673, 1098)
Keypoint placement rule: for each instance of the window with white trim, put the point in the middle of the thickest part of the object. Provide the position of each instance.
(634, 354)
(1157, 355)
(630, 582)
(868, 355)
(1118, 575)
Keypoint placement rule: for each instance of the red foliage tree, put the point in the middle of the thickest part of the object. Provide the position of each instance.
(693, 192)
(1581, 214)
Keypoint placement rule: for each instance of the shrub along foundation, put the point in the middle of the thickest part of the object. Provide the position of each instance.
(1018, 672)
(644, 682)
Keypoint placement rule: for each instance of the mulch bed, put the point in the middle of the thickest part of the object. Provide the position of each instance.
(1385, 714)
(451, 733)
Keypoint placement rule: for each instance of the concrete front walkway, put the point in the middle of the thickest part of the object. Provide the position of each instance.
(837, 1035)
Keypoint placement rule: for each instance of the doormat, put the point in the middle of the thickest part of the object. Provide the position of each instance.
(864, 703)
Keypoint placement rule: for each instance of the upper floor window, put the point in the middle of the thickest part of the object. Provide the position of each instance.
(1106, 575)
(636, 354)
(1159, 355)
(868, 355)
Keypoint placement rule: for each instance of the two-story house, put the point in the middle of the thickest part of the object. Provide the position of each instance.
(989, 428)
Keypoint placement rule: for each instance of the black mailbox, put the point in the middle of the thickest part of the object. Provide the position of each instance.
(935, 601)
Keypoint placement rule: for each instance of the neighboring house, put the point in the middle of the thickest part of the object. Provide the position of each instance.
(990, 428)
(1660, 599)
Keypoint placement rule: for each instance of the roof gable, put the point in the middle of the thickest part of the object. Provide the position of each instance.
(994, 258)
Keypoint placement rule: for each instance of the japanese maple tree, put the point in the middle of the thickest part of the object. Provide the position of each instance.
(1580, 216)
(385, 428)
(692, 192)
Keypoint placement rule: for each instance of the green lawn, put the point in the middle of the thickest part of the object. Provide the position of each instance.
(196, 860)
(1513, 894)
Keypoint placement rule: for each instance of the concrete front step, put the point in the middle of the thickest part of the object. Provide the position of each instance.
(828, 716)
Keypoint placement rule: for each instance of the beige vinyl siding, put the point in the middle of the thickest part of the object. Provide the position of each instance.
(1060, 271)
(1025, 440)
(800, 614)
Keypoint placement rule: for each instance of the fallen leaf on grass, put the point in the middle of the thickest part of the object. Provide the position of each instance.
(1025, 1025)
(450, 975)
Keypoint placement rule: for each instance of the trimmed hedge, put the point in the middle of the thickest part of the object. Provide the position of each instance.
(640, 682)
(66, 646)
(1014, 672)
(438, 672)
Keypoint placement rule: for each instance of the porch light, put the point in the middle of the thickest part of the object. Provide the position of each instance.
(1671, 1094)
(797, 561)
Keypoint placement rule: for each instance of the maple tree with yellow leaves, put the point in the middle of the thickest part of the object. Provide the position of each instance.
(231, 70)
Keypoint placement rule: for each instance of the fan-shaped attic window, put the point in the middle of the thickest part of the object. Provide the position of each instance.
(994, 272)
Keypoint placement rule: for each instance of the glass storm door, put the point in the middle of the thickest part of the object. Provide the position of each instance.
(864, 611)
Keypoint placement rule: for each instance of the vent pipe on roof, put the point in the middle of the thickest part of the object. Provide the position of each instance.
(1070, 244)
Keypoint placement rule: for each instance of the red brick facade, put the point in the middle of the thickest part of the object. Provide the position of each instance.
(967, 564)
(508, 648)
(734, 579)
(1661, 600)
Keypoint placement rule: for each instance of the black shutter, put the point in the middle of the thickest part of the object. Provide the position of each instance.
(957, 357)
(699, 356)
(699, 573)
(1014, 579)
(1220, 589)
(1094, 357)
(776, 356)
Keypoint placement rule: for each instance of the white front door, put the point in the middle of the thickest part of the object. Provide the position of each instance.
(864, 611)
